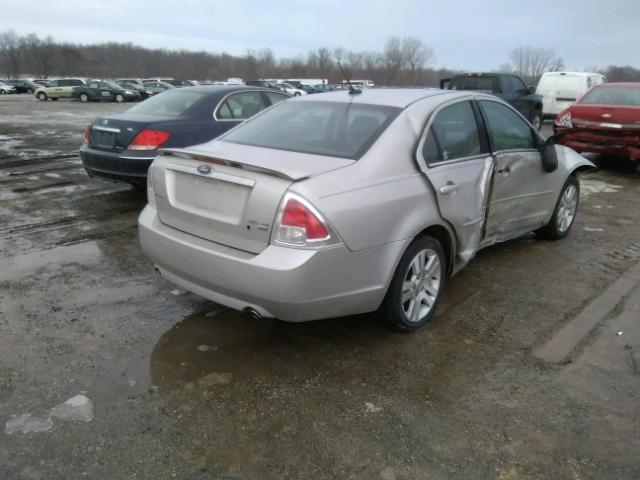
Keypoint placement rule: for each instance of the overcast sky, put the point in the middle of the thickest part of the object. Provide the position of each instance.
(470, 35)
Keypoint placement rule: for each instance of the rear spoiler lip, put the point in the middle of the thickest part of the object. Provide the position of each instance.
(204, 157)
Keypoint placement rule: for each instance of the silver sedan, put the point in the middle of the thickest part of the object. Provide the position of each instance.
(347, 202)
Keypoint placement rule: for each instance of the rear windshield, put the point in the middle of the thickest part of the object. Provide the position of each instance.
(484, 82)
(335, 129)
(613, 96)
(169, 104)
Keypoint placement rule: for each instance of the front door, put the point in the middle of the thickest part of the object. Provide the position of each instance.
(523, 193)
(455, 159)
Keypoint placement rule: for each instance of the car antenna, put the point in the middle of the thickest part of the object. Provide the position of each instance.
(352, 89)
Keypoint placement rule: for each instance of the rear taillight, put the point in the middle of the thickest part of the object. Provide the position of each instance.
(86, 135)
(299, 224)
(564, 119)
(149, 139)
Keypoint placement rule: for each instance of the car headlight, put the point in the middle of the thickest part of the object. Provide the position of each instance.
(128, 92)
(564, 120)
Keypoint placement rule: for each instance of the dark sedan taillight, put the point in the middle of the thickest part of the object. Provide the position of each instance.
(149, 139)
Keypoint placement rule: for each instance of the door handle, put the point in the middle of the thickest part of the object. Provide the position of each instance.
(450, 187)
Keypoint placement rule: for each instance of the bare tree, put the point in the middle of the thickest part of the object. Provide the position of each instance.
(416, 55)
(10, 44)
(393, 58)
(530, 63)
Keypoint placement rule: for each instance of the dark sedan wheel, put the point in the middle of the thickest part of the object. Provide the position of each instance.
(119, 98)
(3, 92)
(42, 96)
(30, 91)
(417, 285)
(84, 98)
(564, 213)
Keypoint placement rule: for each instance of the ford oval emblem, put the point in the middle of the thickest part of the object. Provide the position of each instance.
(204, 169)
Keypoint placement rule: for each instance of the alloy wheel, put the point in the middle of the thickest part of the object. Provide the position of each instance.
(567, 208)
(421, 285)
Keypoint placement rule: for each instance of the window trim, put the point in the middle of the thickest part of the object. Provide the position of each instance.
(492, 149)
(423, 138)
(223, 99)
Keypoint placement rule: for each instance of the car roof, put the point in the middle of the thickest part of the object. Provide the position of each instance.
(224, 89)
(393, 97)
(618, 84)
(579, 74)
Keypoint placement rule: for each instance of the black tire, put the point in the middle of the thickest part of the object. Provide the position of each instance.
(296, 94)
(556, 229)
(84, 98)
(119, 98)
(54, 99)
(2, 92)
(42, 97)
(30, 91)
(393, 307)
(537, 120)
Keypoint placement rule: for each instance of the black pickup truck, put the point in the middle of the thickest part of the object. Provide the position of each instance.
(511, 88)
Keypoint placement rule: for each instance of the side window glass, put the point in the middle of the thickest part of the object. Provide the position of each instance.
(506, 129)
(53, 83)
(243, 105)
(275, 97)
(517, 84)
(63, 83)
(453, 134)
(224, 112)
(93, 85)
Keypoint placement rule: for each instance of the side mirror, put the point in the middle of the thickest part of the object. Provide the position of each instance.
(549, 155)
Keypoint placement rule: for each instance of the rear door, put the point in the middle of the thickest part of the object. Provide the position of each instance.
(523, 193)
(454, 156)
(105, 92)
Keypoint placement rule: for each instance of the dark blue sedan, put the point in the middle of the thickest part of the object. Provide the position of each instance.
(122, 146)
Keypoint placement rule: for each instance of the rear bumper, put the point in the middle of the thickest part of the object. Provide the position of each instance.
(601, 142)
(125, 166)
(287, 283)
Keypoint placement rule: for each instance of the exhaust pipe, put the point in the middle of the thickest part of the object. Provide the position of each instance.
(253, 312)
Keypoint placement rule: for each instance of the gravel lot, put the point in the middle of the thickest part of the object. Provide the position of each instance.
(183, 388)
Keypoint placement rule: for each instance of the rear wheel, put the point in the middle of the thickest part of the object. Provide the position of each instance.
(417, 284)
(564, 213)
(42, 97)
(119, 98)
(3, 92)
(84, 98)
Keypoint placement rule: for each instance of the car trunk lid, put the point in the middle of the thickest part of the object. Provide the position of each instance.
(115, 133)
(229, 193)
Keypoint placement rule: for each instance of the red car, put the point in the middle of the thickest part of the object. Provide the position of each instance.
(605, 120)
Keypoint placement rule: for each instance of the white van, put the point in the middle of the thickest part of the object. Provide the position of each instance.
(560, 89)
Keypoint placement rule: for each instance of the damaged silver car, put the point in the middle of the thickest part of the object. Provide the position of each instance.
(349, 202)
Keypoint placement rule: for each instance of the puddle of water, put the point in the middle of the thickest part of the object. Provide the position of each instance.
(247, 350)
(22, 265)
(588, 187)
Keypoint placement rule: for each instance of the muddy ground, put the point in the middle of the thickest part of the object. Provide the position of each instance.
(82, 312)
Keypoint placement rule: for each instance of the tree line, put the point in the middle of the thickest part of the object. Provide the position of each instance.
(403, 62)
